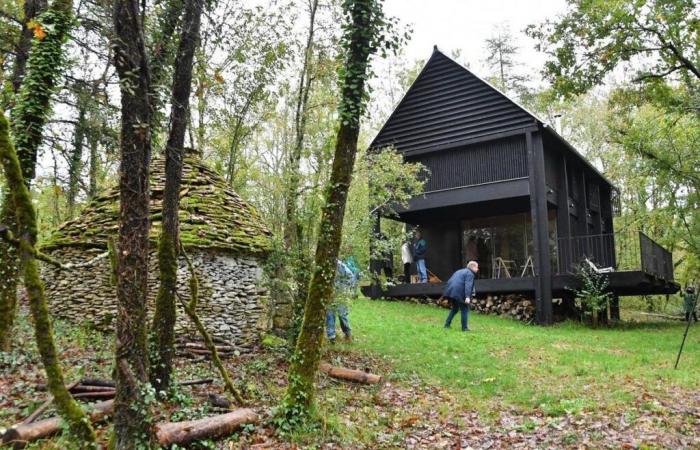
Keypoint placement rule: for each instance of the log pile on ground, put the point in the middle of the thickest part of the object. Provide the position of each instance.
(519, 307)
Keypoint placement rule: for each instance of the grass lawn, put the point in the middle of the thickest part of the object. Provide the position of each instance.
(561, 369)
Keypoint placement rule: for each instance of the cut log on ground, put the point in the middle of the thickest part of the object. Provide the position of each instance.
(97, 382)
(183, 433)
(350, 374)
(220, 348)
(21, 435)
(44, 406)
(106, 394)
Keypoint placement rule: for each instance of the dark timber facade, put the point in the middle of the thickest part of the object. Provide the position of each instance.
(506, 190)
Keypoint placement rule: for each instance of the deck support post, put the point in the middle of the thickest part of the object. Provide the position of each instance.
(375, 265)
(540, 231)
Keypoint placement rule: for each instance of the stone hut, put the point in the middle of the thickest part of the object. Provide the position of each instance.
(224, 237)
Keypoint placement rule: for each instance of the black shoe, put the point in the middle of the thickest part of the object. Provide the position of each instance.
(466, 329)
(331, 341)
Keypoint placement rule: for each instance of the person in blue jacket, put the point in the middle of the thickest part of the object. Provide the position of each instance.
(419, 249)
(460, 291)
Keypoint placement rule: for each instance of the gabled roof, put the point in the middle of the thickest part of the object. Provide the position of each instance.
(448, 105)
(211, 214)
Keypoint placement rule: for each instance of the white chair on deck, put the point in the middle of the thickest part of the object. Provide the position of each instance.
(597, 269)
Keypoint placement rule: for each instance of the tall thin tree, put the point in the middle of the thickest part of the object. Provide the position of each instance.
(26, 239)
(165, 313)
(131, 415)
(363, 36)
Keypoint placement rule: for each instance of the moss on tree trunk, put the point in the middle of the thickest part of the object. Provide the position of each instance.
(165, 313)
(299, 399)
(31, 110)
(26, 224)
(9, 271)
(132, 417)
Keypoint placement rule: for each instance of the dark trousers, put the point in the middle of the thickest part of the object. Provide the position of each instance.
(688, 314)
(406, 273)
(388, 272)
(463, 308)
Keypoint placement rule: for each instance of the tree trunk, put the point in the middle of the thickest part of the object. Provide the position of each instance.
(293, 232)
(32, 10)
(94, 164)
(75, 164)
(165, 313)
(183, 433)
(304, 365)
(32, 105)
(131, 415)
(43, 332)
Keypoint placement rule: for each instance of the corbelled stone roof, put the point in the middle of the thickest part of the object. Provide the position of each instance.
(211, 214)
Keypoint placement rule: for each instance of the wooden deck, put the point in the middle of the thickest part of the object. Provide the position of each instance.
(621, 283)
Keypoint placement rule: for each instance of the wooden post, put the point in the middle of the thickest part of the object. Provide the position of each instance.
(374, 263)
(540, 228)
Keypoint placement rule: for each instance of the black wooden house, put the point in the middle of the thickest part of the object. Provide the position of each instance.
(506, 190)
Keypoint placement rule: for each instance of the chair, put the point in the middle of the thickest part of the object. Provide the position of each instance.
(529, 265)
(502, 265)
(597, 269)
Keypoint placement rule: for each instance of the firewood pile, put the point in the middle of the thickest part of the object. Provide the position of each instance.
(519, 307)
(516, 306)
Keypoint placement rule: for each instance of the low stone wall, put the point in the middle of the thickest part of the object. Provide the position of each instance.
(232, 304)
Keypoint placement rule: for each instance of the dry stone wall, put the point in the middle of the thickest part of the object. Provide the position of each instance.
(232, 303)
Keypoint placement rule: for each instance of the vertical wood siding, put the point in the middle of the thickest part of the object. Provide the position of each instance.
(504, 159)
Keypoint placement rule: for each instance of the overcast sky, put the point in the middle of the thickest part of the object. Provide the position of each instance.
(466, 24)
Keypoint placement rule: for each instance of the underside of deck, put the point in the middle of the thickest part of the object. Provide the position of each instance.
(621, 284)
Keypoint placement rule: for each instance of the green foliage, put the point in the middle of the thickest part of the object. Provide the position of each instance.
(656, 38)
(44, 67)
(592, 298)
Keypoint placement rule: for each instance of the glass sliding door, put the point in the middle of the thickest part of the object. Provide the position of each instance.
(503, 246)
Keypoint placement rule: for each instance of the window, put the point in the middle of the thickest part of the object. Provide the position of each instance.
(503, 245)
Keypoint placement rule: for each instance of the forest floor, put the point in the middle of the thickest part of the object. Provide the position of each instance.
(502, 385)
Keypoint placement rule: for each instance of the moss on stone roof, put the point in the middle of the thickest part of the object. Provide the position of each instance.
(211, 214)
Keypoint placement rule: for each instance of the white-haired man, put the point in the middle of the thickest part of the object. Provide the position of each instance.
(460, 291)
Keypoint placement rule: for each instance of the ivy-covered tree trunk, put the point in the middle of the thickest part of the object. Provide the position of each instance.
(302, 372)
(30, 112)
(165, 313)
(132, 428)
(32, 9)
(71, 412)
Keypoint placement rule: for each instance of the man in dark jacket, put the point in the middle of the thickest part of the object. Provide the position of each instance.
(460, 292)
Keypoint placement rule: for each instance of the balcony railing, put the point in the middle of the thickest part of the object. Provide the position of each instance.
(623, 251)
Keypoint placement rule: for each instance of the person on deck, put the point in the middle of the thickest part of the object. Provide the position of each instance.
(460, 292)
(344, 280)
(419, 249)
(407, 259)
(689, 304)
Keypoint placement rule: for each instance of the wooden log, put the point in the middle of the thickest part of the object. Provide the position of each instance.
(350, 374)
(95, 395)
(198, 351)
(20, 435)
(83, 389)
(97, 382)
(220, 348)
(193, 382)
(183, 433)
